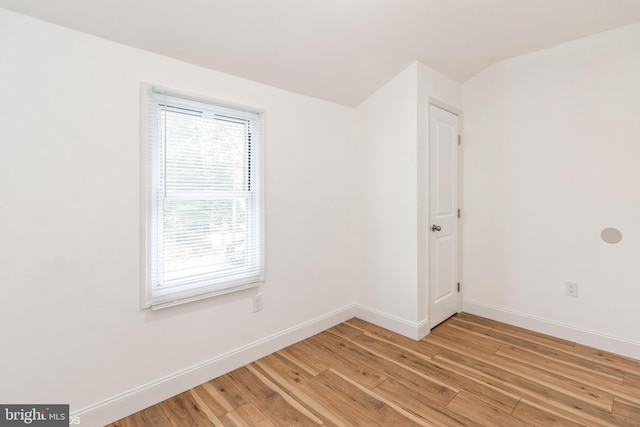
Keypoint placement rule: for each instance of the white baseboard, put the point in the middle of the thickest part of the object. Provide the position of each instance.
(565, 331)
(400, 326)
(134, 400)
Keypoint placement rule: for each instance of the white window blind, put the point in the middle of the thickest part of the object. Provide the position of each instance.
(204, 199)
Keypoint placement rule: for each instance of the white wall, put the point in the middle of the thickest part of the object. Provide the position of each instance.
(386, 180)
(391, 165)
(551, 158)
(71, 330)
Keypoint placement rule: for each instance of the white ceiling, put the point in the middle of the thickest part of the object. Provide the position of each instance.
(338, 50)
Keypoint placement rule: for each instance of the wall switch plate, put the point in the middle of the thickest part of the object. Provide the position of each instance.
(571, 289)
(257, 303)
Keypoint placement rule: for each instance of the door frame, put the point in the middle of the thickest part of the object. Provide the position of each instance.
(457, 112)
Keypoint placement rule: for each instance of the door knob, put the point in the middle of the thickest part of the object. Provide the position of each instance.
(435, 228)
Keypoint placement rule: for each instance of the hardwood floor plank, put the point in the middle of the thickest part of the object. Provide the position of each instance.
(421, 347)
(619, 363)
(399, 369)
(231, 419)
(565, 355)
(345, 330)
(286, 397)
(632, 381)
(285, 367)
(457, 338)
(616, 361)
(268, 400)
(584, 392)
(472, 318)
(428, 390)
(454, 379)
(467, 405)
(278, 371)
(197, 413)
(249, 415)
(225, 393)
(315, 348)
(154, 416)
(537, 416)
(345, 359)
(459, 323)
(573, 371)
(469, 371)
(214, 401)
(397, 413)
(298, 355)
(361, 399)
(589, 378)
(529, 389)
(181, 410)
(346, 409)
(204, 407)
(432, 390)
(536, 337)
(415, 402)
(628, 410)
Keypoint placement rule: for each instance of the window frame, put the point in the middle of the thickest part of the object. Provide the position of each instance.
(153, 296)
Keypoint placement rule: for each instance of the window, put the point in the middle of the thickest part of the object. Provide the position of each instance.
(204, 231)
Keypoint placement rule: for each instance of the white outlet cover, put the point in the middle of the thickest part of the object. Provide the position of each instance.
(571, 289)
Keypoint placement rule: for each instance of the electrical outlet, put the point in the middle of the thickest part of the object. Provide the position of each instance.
(571, 289)
(257, 303)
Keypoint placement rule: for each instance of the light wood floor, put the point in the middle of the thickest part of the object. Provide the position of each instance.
(468, 371)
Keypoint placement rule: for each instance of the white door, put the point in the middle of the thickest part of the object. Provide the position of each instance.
(443, 215)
